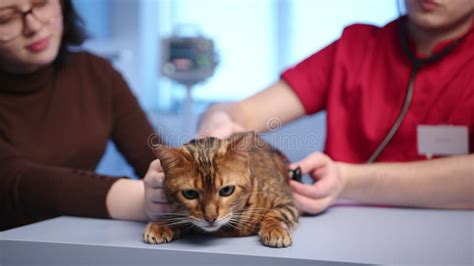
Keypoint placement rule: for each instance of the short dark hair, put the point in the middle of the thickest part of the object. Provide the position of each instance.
(74, 33)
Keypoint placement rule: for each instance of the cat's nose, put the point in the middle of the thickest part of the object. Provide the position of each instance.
(210, 219)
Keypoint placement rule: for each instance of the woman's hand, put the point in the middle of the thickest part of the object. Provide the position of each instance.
(220, 125)
(327, 186)
(155, 201)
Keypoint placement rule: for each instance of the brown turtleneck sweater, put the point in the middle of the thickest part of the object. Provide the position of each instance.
(54, 128)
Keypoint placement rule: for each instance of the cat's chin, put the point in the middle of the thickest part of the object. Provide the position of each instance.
(210, 228)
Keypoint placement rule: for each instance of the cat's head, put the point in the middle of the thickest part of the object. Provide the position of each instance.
(208, 180)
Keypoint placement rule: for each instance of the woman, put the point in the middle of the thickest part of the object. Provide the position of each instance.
(58, 109)
(363, 81)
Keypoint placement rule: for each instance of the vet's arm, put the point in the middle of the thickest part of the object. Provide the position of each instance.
(439, 183)
(278, 103)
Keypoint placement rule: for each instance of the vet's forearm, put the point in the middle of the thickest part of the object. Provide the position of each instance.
(439, 183)
(278, 102)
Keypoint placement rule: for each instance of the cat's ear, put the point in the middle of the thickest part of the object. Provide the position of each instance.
(242, 142)
(170, 157)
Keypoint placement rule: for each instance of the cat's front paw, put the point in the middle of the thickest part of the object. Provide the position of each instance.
(157, 234)
(276, 237)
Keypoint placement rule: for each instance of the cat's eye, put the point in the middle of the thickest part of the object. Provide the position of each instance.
(190, 194)
(226, 191)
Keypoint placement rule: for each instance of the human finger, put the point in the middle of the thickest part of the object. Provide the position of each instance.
(154, 180)
(155, 165)
(156, 196)
(313, 161)
(309, 205)
(314, 191)
(223, 132)
(157, 210)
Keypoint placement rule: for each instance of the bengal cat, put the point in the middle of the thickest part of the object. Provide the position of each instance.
(233, 187)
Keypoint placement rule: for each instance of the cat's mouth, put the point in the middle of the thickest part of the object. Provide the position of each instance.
(211, 227)
(214, 226)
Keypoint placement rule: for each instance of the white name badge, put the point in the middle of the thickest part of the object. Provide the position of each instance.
(442, 140)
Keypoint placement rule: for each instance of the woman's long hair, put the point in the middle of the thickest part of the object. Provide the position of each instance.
(74, 33)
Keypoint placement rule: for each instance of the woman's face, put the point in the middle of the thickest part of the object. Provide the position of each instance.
(30, 34)
(439, 14)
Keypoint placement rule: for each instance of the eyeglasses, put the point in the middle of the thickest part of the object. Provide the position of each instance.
(11, 19)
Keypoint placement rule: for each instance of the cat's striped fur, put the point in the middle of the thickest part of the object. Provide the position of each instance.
(199, 176)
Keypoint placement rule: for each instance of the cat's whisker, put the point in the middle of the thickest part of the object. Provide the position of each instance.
(171, 221)
(253, 210)
(248, 225)
(233, 227)
(176, 222)
(249, 216)
(172, 217)
(246, 219)
(190, 226)
(252, 213)
(248, 211)
(231, 224)
(249, 221)
(227, 216)
(172, 214)
(234, 223)
(238, 225)
(194, 218)
(257, 193)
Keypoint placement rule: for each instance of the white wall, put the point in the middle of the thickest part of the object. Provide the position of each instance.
(256, 39)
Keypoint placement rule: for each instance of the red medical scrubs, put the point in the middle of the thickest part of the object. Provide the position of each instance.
(361, 81)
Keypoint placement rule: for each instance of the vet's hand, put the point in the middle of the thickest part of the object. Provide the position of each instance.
(155, 201)
(219, 125)
(327, 186)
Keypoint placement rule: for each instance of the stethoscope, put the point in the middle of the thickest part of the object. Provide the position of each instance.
(417, 63)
